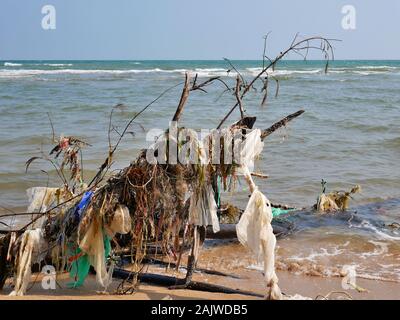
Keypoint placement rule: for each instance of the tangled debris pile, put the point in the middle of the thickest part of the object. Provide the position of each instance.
(156, 199)
(335, 200)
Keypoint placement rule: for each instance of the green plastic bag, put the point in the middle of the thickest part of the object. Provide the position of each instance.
(278, 211)
(80, 267)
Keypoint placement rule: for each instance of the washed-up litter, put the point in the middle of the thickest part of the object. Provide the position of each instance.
(32, 248)
(167, 204)
(335, 200)
(80, 230)
(254, 230)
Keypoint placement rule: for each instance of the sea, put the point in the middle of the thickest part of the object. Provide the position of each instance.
(348, 135)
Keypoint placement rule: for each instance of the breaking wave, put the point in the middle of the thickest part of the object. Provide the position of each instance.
(201, 72)
(33, 72)
(11, 64)
(365, 70)
(55, 64)
(379, 233)
(62, 68)
(6, 73)
(283, 72)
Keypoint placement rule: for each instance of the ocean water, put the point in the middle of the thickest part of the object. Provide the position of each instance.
(349, 135)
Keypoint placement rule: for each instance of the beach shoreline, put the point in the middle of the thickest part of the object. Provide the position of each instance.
(293, 286)
(296, 286)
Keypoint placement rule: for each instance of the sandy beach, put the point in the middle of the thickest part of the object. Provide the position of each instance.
(293, 286)
(306, 286)
(271, 173)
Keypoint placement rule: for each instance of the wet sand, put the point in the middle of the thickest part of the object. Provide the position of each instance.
(250, 280)
(306, 286)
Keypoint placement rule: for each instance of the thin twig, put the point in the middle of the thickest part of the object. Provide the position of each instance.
(327, 50)
(237, 94)
(107, 161)
(265, 133)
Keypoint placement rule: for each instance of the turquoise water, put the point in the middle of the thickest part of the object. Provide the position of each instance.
(350, 133)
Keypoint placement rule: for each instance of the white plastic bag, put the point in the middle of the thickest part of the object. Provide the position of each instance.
(121, 222)
(32, 249)
(251, 148)
(254, 231)
(203, 209)
(41, 198)
(93, 245)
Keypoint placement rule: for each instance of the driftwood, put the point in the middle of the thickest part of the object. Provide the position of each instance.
(184, 97)
(168, 281)
(4, 267)
(5, 232)
(202, 270)
(265, 133)
(238, 98)
(151, 250)
(228, 230)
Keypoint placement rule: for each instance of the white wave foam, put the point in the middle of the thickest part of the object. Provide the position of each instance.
(10, 64)
(364, 70)
(377, 68)
(201, 72)
(209, 70)
(366, 73)
(26, 72)
(55, 64)
(380, 249)
(321, 253)
(283, 72)
(33, 72)
(378, 277)
(212, 72)
(384, 236)
(359, 72)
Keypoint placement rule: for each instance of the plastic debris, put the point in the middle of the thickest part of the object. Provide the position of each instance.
(31, 251)
(203, 209)
(254, 231)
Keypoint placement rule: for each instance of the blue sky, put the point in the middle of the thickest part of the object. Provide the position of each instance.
(186, 29)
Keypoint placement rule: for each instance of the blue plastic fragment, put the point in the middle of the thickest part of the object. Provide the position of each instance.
(80, 208)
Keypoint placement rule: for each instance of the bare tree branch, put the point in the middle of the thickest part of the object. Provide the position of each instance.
(265, 133)
(326, 49)
(237, 94)
(184, 97)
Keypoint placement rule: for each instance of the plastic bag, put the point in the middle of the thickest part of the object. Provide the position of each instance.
(254, 231)
(41, 198)
(33, 249)
(121, 222)
(93, 245)
(203, 209)
(80, 265)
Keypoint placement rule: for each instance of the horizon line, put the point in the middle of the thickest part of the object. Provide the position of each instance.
(222, 59)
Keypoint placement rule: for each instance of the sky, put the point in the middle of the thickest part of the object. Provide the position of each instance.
(186, 29)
